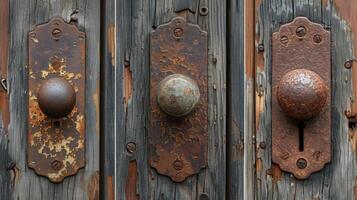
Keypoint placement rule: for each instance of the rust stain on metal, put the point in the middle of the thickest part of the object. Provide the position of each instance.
(56, 147)
(111, 42)
(309, 57)
(178, 145)
(110, 188)
(128, 88)
(93, 187)
(131, 182)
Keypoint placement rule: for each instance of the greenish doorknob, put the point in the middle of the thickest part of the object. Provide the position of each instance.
(178, 95)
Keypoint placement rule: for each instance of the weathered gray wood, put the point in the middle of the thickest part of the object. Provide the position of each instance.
(236, 96)
(337, 179)
(6, 166)
(127, 112)
(24, 15)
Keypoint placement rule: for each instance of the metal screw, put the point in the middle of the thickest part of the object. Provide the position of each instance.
(56, 33)
(348, 64)
(285, 156)
(262, 145)
(284, 39)
(178, 165)
(178, 32)
(204, 11)
(301, 31)
(301, 163)
(317, 38)
(204, 196)
(56, 165)
(261, 47)
(131, 147)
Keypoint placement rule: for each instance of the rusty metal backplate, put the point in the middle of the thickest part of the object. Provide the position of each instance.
(56, 147)
(301, 44)
(178, 145)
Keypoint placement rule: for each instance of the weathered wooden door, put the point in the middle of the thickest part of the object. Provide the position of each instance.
(126, 147)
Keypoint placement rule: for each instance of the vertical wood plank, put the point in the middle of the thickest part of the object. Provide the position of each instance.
(24, 15)
(337, 179)
(236, 98)
(6, 167)
(126, 104)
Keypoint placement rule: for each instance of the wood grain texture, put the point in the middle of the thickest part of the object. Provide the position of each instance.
(236, 97)
(6, 167)
(24, 15)
(127, 117)
(337, 179)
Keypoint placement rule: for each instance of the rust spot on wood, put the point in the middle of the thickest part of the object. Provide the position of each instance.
(131, 182)
(111, 33)
(96, 103)
(258, 165)
(352, 138)
(93, 187)
(249, 29)
(128, 88)
(275, 173)
(110, 188)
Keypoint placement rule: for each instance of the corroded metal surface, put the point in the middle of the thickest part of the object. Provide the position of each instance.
(301, 44)
(178, 95)
(56, 98)
(56, 147)
(302, 94)
(178, 145)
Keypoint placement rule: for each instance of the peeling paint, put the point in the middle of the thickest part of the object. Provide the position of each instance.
(93, 187)
(275, 173)
(131, 182)
(128, 88)
(111, 34)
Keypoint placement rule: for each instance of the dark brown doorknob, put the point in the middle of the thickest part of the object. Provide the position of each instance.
(302, 94)
(178, 95)
(56, 98)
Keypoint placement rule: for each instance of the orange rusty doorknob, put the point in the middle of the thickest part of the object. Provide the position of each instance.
(302, 94)
(56, 98)
(178, 95)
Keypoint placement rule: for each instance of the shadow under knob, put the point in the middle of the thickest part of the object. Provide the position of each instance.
(56, 98)
(178, 95)
(302, 94)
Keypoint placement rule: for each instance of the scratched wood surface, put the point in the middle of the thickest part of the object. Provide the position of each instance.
(23, 182)
(126, 104)
(338, 179)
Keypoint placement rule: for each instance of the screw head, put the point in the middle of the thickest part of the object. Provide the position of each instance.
(262, 145)
(302, 94)
(57, 165)
(301, 163)
(284, 39)
(178, 32)
(131, 147)
(301, 31)
(204, 11)
(56, 33)
(317, 38)
(56, 98)
(178, 165)
(177, 95)
(261, 47)
(285, 156)
(348, 64)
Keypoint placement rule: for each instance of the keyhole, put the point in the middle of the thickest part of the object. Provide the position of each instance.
(301, 127)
